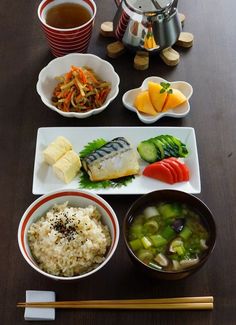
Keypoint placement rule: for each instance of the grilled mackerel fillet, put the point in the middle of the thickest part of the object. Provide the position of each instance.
(113, 160)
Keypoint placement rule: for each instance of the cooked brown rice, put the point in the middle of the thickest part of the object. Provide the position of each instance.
(69, 241)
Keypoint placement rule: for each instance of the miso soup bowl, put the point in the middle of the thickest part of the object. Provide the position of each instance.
(75, 198)
(192, 202)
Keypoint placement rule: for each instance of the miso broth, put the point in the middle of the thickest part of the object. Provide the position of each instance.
(169, 236)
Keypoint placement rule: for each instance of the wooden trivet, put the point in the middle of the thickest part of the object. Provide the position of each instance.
(170, 56)
(115, 49)
(141, 60)
(107, 29)
(185, 40)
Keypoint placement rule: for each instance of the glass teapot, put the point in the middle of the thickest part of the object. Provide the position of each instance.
(150, 25)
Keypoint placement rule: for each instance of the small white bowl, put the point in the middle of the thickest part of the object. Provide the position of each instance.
(180, 111)
(75, 198)
(59, 66)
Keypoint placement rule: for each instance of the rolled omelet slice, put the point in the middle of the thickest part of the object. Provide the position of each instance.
(67, 167)
(56, 150)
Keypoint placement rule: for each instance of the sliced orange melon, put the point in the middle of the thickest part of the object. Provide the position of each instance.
(174, 99)
(158, 99)
(143, 103)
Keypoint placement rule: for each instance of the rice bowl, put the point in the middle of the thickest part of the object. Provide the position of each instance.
(104, 222)
(69, 241)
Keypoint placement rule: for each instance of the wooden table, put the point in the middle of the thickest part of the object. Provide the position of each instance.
(210, 67)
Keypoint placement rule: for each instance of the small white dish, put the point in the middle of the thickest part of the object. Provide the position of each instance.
(180, 111)
(59, 66)
(44, 180)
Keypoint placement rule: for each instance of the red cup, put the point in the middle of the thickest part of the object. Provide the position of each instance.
(70, 40)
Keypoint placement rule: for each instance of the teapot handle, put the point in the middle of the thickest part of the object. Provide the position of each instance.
(117, 2)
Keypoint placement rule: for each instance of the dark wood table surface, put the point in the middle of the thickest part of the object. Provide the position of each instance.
(210, 66)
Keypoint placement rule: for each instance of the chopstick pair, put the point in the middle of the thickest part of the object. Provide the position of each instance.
(183, 303)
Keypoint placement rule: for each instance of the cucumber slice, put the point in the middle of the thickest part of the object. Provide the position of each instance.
(177, 146)
(160, 149)
(183, 151)
(169, 148)
(169, 139)
(147, 151)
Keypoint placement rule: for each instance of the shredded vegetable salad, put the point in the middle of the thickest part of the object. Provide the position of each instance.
(80, 90)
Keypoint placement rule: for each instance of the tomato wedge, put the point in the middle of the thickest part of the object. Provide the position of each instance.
(172, 169)
(169, 170)
(184, 168)
(176, 167)
(159, 171)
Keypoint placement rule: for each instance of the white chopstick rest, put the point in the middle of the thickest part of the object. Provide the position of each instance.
(37, 314)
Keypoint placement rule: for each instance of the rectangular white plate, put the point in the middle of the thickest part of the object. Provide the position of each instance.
(45, 181)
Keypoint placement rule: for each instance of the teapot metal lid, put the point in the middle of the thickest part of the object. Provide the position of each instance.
(151, 6)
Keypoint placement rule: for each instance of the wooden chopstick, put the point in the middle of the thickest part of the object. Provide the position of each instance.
(155, 300)
(162, 303)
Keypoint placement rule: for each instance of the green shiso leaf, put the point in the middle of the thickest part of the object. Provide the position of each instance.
(86, 183)
(91, 146)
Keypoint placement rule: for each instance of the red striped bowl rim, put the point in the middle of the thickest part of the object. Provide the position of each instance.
(44, 4)
(48, 197)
